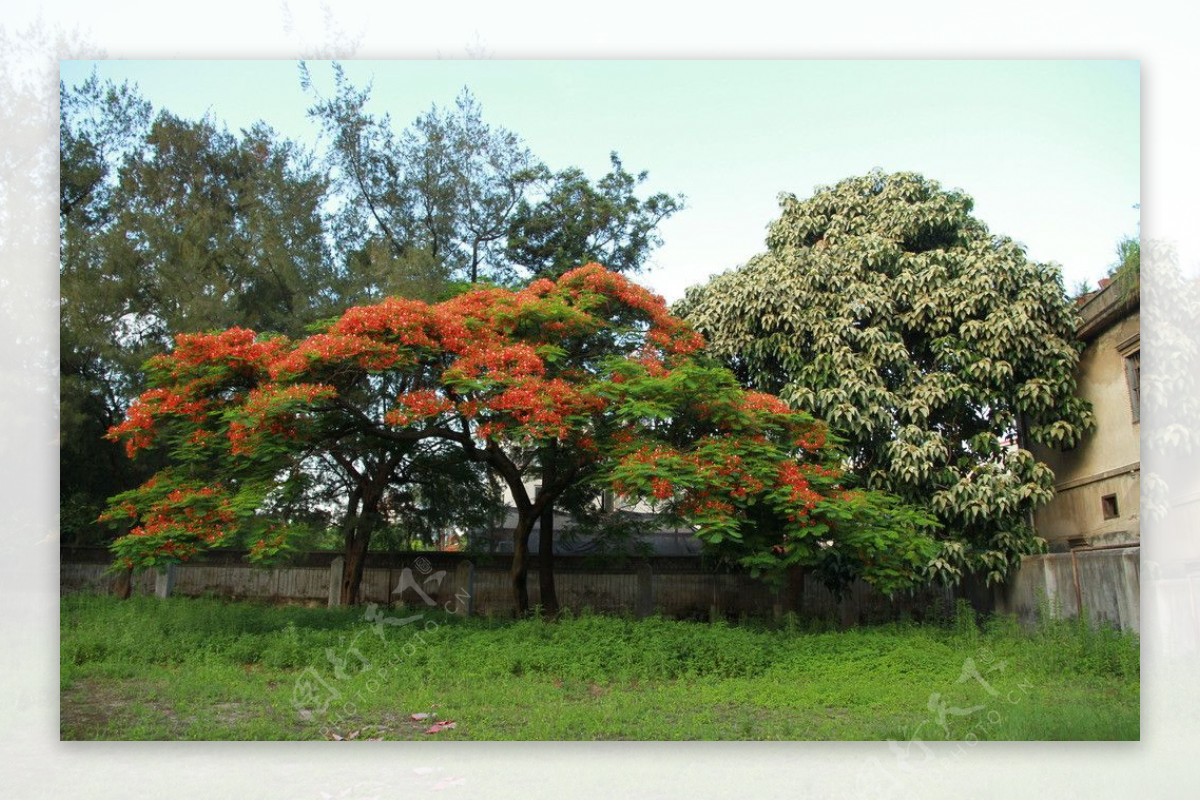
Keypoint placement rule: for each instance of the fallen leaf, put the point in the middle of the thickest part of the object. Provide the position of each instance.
(441, 725)
(421, 715)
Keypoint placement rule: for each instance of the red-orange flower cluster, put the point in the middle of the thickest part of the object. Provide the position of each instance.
(237, 348)
(271, 408)
(542, 408)
(179, 524)
(137, 429)
(668, 332)
(421, 404)
(792, 479)
(399, 320)
(662, 488)
(812, 438)
(497, 360)
(335, 349)
(762, 402)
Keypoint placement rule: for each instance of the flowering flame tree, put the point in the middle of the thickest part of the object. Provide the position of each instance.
(590, 373)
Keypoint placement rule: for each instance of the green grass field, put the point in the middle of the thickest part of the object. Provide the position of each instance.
(202, 669)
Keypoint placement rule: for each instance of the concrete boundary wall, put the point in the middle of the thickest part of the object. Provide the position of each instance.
(1105, 583)
(678, 587)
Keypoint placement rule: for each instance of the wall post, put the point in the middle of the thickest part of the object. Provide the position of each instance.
(336, 567)
(164, 581)
(464, 588)
(644, 606)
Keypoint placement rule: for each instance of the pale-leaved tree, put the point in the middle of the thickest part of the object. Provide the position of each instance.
(935, 348)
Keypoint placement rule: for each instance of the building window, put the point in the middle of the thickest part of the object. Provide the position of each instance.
(1133, 375)
(1109, 505)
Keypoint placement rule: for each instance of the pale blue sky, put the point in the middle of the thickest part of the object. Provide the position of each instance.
(1048, 149)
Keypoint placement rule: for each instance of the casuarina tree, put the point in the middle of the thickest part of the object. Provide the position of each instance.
(168, 226)
(456, 193)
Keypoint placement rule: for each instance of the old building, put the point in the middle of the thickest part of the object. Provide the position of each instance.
(1097, 482)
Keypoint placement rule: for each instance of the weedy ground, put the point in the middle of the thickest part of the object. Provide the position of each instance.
(204, 669)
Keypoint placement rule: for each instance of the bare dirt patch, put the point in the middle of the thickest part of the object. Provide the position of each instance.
(98, 709)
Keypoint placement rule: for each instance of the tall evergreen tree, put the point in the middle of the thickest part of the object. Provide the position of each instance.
(169, 227)
(454, 190)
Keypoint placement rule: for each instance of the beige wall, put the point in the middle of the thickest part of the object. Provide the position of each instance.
(1108, 461)
(1105, 584)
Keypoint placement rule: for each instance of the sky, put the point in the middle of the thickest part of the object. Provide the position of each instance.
(1049, 149)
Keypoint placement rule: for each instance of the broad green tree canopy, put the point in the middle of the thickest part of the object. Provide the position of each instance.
(592, 364)
(935, 348)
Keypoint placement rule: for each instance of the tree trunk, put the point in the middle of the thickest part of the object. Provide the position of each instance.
(520, 563)
(356, 534)
(356, 559)
(123, 586)
(549, 597)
